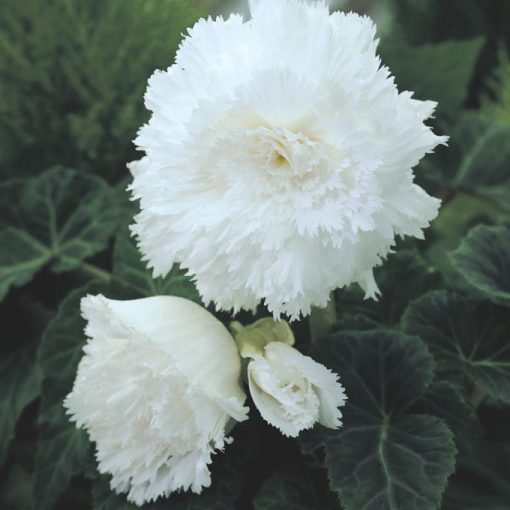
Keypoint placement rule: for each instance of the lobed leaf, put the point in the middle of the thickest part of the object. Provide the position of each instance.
(466, 336)
(61, 216)
(383, 458)
(483, 259)
(403, 277)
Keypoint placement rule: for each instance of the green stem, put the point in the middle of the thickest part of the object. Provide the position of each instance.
(322, 319)
(96, 272)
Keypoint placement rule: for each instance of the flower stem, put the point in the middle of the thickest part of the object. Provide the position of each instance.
(321, 319)
(95, 272)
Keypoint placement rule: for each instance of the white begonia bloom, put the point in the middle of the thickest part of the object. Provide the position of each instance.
(156, 390)
(278, 158)
(291, 391)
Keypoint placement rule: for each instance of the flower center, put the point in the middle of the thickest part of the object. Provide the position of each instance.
(278, 149)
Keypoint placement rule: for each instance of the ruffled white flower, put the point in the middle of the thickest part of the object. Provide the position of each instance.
(291, 391)
(278, 158)
(156, 390)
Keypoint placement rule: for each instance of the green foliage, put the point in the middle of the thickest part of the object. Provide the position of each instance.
(404, 276)
(384, 457)
(444, 400)
(483, 259)
(73, 77)
(63, 449)
(484, 166)
(466, 336)
(296, 488)
(453, 66)
(19, 385)
(42, 222)
(133, 274)
(499, 110)
(425, 21)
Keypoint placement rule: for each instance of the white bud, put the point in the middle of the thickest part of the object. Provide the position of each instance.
(291, 391)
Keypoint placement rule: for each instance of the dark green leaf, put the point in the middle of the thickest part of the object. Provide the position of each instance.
(466, 336)
(129, 267)
(16, 489)
(481, 482)
(19, 385)
(403, 277)
(62, 449)
(499, 110)
(444, 401)
(435, 20)
(296, 489)
(487, 163)
(483, 259)
(455, 220)
(60, 216)
(383, 458)
(21, 257)
(446, 81)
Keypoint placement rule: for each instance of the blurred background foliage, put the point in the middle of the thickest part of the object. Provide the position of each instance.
(72, 77)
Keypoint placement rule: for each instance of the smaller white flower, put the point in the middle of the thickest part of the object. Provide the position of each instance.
(291, 391)
(157, 390)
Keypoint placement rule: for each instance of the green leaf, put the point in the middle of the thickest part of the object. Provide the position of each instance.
(435, 20)
(446, 81)
(62, 449)
(21, 257)
(60, 216)
(16, 489)
(383, 458)
(19, 385)
(465, 336)
(487, 162)
(499, 111)
(484, 167)
(446, 402)
(483, 259)
(403, 277)
(481, 482)
(294, 488)
(455, 220)
(129, 267)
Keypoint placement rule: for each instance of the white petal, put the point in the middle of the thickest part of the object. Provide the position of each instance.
(279, 167)
(156, 390)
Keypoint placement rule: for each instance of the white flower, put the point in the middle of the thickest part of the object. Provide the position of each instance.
(157, 387)
(291, 391)
(278, 158)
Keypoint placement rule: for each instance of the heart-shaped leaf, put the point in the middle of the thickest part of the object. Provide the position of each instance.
(383, 458)
(483, 259)
(61, 216)
(466, 336)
